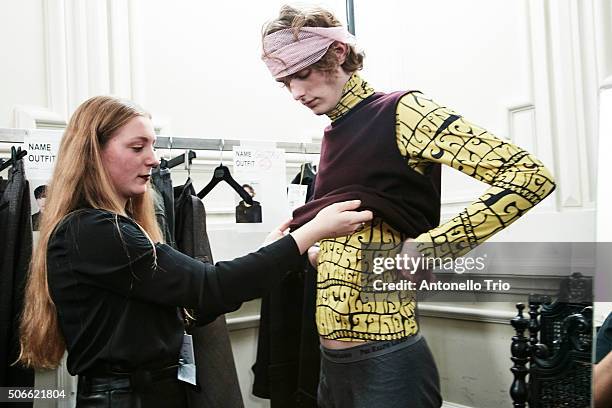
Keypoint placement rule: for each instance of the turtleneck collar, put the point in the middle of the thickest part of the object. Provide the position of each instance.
(355, 90)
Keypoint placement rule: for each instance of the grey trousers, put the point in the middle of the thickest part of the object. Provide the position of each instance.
(390, 374)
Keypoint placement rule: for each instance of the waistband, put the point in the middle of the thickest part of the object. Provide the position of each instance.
(369, 350)
(103, 381)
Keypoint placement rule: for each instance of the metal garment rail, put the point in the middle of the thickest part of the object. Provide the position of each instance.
(11, 135)
(350, 16)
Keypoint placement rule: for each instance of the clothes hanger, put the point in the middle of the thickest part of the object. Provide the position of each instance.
(187, 160)
(306, 169)
(16, 154)
(185, 157)
(163, 163)
(222, 173)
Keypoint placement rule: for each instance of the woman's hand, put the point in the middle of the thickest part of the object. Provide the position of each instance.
(338, 219)
(277, 233)
(332, 221)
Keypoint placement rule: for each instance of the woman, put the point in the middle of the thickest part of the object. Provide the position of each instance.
(102, 285)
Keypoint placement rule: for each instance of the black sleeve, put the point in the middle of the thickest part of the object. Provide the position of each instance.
(603, 344)
(111, 252)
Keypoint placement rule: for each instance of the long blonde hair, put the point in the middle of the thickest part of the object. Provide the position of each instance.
(79, 180)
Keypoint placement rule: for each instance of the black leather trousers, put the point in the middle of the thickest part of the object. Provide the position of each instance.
(123, 391)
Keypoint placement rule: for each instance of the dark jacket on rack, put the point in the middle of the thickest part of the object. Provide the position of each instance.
(164, 203)
(15, 255)
(287, 366)
(216, 370)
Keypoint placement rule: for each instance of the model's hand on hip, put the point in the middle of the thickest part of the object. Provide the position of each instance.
(416, 268)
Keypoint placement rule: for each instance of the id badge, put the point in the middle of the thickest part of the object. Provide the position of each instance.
(187, 366)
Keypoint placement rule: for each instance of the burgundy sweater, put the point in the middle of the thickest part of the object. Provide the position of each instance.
(360, 160)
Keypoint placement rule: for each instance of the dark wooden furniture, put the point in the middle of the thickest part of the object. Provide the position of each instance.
(552, 363)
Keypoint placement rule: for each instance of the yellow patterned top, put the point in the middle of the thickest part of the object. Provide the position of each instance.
(426, 133)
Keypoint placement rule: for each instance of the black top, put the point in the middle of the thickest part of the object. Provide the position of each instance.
(115, 307)
(604, 340)
(246, 213)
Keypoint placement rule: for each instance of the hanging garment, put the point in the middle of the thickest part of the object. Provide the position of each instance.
(216, 370)
(160, 215)
(288, 357)
(15, 255)
(305, 179)
(246, 213)
(309, 357)
(164, 203)
(287, 366)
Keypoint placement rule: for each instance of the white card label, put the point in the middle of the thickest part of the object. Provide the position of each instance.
(296, 195)
(187, 367)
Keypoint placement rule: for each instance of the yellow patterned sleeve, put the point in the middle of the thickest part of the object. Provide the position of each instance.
(428, 133)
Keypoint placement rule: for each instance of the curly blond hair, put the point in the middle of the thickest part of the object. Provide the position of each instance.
(296, 18)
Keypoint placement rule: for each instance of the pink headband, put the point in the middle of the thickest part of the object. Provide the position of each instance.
(284, 55)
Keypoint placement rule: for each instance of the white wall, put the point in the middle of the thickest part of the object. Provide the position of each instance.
(527, 70)
(604, 191)
(22, 52)
(203, 71)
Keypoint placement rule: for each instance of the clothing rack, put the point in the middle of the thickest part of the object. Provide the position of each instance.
(16, 155)
(13, 135)
(350, 16)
